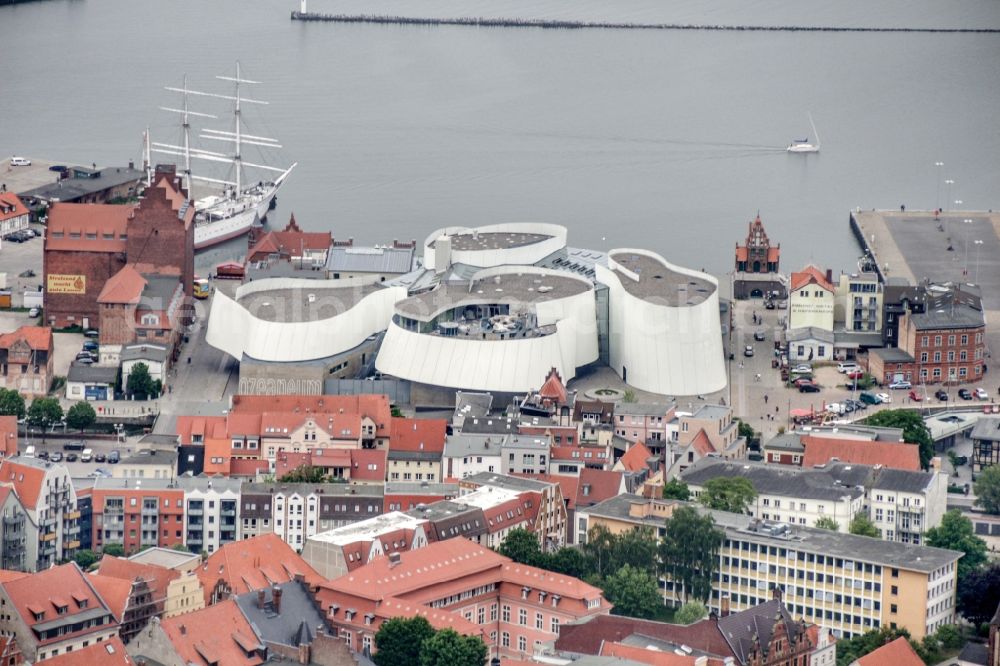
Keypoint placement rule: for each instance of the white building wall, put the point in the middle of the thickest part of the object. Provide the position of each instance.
(660, 348)
(524, 255)
(463, 466)
(812, 305)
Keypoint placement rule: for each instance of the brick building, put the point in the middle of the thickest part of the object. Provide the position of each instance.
(26, 360)
(137, 513)
(756, 265)
(14, 215)
(138, 308)
(87, 244)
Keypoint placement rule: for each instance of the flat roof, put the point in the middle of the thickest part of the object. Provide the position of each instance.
(492, 240)
(507, 481)
(948, 317)
(488, 497)
(165, 557)
(305, 303)
(770, 479)
(72, 188)
(526, 288)
(370, 259)
(660, 284)
(367, 530)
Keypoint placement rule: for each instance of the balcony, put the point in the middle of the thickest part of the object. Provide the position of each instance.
(72, 529)
(72, 545)
(71, 515)
(47, 548)
(47, 522)
(229, 513)
(150, 511)
(196, 512)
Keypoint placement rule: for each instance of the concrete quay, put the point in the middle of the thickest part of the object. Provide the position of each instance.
(20, 179)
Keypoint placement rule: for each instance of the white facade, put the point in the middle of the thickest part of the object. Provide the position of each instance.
(811, 305)
(439, 253)
(659, 347)
(905, 516)
(211, 512)
(238, 332)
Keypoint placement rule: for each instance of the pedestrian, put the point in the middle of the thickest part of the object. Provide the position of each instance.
(765, 398)
(775, 409)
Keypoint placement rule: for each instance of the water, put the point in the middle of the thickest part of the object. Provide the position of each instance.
(666, 140)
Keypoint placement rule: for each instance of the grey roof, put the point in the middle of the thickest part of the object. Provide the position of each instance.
(807, 539)
(284, 628)
(204, 483)
(151, 457)
(892, 355)
(159, 441)
(987, 428)
(420, 488)
(335, 489)
(164, 557)
(370, 260)
(507, 481)
(74, 188)
(424, 456)
(786, 481)
(809, 333)
(304, 302)
(470, 404)
(752, 628)
(659, 283)
(879, 478)
(494, 424)
(474, 444)
(144, 353)
(975, 653)
(92, 374)
(473, 239)
(134, 483)
(538, 442)
(158, 292)
(711, 412)
(788, 441)
(642, 408)
(959, 316)
(855, 339)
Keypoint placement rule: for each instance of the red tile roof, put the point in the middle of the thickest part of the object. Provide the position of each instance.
(213, 634)
(8, 575)
(253, 564)
(635, 458)
(125, 286)
(597, 485)
(11, 206)
(418, 434)
(83, 219)
(110, 652)
(702, 444)
(898, 653)
(653, 657)
(158, 578)
(588, 637)
(38, 338)
(374, 406)
(896, 455)
(26, 479)
(439, 619)
(247, 467)
(810, 275)
(114, 591)
(568, 484)
(362, 459)
(8, 436)
(290, 241)
(553, 388)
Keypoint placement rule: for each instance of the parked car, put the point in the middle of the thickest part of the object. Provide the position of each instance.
(71, 457)
(802, 380)
(748, 350)
(55, 456)
(801, 369)
(768, 304)
(91, 333)
(961, 460)
(758, 336)
(847, 366)
(858, 405)
(100, 457)
(884, 398)
(84, 360)
(87, 455)
(114, 457)
(981, 394)
(90, 346)
(916, 397)
(20, 161)
(59, 168)
(869, 398)
(75, 445)
(902, 384)
(33, 312)
(85, 354)
(835, 408)
(44, 455)
(941, 395)
(965, 394)
(809, 388)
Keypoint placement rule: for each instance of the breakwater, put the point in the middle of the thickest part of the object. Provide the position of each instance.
(561, 24)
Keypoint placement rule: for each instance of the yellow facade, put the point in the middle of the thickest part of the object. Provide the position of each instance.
(184, 595)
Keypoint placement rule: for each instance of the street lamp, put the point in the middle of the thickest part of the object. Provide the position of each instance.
(965, 272)
(949, 183)
(937, 179)
(978, 244)
(119, 427)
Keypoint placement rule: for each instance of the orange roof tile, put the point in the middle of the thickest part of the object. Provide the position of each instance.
(597, 485)
(897, 455)
(247, 467)
(11, 206)
(362, 461)
(635, 458)
(438, 618)
(741, 253)
(114, 591)
(8, 575)
(214, 634)
(158, 578)
(253, 564)
(81, 219)
(898, 653)
(38, 337)
(810, 275)
(26, 479)
(8, 436)
(702, 444)
(374, 406)
(110, 652)
(568, 484)
(418, 434)
(653, 657)
(125, 286)
(553, 388)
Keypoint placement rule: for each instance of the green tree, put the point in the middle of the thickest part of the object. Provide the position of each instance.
(863, 526)
(568, 561)
(636, 548)
(521, 546)
(987, 489)
(728, 493)
(950, 636)
(956, 533)
(746, 431)
(828, 523)
(914, 430)
(304, 474)
(689, 551)
(11, 403)
(85, 558)
(44, 413)
(450, 648)
(81, 416)
(676, 489)
(113, 549)
(600, 542)
(140, 384)
(978, 592)
(633, 592)
(690, 613)
(399, 639)
(180, 548)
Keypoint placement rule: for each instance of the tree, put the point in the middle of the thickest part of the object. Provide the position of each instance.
(849, 650)
(733, 493)
(521, 546)
(690, 613)
(305, 474)
(45, 412)
(987, 489)
(914, 430)
(863, 526)
(676, 489)
(956, 533)
(399, 639)
(633, 592)
(978, 593)
(568, 561)
(828, 523)
(950, 636)
(180, 548)
(450, 648)
(85, 558)
(636, 548)
(11, 403)
(113, 549)
(81, 416)
(689, 551)
(600, 542)
(140, 384)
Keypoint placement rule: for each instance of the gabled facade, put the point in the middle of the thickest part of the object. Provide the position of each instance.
(811, 299)
(52, 530)
(26, 358)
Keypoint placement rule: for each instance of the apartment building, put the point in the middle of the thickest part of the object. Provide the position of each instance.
(467, 454)
(644, 422)
(550, 521)
(709, 431)
(136, 514)
(514, 608)
(335, 552)
(211, 512)
(14, 523)
(850, 584)
(525, 454)
(415, 449)
(52, 531)
(53, 612)
(296, 511)
(811, 299)
(26, 357)
(401, 496)
(172, 592)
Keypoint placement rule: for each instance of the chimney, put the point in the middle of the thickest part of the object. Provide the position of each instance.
(183, 630)
(260, 599)
(304, 654)
(829, 275)
(724, 606)
(276, 599)
(776, 593)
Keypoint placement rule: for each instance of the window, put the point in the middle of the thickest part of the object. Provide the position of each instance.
(506, 613)
(522, 643)
(522, 617)
(554, 626)
(539, 621)
(505, 639)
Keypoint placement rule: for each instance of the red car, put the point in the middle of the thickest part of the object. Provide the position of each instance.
(915, 397)
(857, 374)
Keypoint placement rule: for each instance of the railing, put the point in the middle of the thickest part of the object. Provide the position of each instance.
(229, 513)
(196, 512)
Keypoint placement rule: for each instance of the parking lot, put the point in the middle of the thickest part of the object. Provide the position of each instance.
(66, 448)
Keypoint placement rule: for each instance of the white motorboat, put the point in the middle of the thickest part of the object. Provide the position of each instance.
(805, 145)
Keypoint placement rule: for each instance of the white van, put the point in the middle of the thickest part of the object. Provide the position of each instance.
(87, 455)
(20, 161)
(847, 366)
(29, 452)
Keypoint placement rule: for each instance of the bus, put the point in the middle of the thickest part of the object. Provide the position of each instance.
(201, 288)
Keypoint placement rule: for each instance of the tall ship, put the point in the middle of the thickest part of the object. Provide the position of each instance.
(236, 203)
